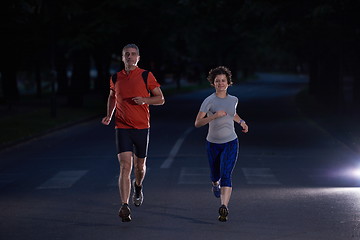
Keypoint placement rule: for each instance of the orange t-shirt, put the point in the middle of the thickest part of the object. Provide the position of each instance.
(127, 86)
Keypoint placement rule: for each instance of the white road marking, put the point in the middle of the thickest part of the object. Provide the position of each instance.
(194, 176)
(63, 179)
(260, 176)
(175, 149)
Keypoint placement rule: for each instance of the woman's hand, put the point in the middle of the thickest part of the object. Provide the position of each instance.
(244, 126)
(219, 114)
(202, 120)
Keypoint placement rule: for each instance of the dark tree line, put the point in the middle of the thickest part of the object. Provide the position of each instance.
(325, 36)
(181, 37)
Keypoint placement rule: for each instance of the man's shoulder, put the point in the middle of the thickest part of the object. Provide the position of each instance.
(136, 70)
(141, 70)
(119, 73)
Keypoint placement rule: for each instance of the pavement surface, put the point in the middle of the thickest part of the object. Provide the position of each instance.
(293, 180)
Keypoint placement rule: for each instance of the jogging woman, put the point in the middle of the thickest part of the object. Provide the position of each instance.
(219, 111)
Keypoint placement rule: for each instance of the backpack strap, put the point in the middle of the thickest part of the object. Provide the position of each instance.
(144, 75)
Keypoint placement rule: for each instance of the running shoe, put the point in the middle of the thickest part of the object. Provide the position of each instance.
(138, 195)
(125, 212)
(223, 213)
(216, 190)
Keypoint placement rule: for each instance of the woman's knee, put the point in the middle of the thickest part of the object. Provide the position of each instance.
(225, 182)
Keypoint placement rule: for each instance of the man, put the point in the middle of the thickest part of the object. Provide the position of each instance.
(130, 97)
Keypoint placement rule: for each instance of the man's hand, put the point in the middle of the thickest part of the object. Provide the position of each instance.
(139, 100)
(106, 120)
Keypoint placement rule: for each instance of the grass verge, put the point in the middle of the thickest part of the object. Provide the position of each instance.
(31, 117)
(18, 127)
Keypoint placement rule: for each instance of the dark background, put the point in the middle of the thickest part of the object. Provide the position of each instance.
(294, 177)
(53, 46)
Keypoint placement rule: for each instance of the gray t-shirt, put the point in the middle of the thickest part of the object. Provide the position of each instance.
(221, 130)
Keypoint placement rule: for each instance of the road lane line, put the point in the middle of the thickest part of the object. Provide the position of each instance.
(260, 176)
(175, 149)
(63, 179)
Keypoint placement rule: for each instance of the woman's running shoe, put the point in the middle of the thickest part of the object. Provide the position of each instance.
(223, 213)
(216, 190)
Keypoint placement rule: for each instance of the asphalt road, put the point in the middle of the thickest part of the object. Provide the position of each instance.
(291, 180)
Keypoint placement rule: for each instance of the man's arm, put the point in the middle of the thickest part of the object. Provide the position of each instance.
(157, 98)
(110, 108)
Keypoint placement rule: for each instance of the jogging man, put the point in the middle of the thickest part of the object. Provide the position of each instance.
(130, 98)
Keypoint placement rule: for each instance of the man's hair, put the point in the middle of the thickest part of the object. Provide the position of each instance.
(131, 45)
(217, 71)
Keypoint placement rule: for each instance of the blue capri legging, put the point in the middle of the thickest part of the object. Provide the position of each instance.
(222, 159)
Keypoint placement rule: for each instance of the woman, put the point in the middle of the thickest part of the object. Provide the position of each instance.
(219, 111)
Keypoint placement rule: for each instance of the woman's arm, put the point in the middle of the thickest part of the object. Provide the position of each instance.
(242, 123)
(202, 120)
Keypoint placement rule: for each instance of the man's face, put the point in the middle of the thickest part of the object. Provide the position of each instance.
(130, 57)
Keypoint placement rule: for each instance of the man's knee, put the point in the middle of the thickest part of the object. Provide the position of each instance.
(125, 160)
(139, 163)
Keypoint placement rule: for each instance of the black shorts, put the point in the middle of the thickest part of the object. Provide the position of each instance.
(132, 140)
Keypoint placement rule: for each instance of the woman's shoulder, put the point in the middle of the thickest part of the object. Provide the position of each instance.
(210, 97)
(208, 100)
(232, 97)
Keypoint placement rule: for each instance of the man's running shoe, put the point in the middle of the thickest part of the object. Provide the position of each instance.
(216, 190)
(125, 212)
(223, 212)
(138, 195)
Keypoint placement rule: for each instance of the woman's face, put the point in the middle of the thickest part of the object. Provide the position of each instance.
(221, 82)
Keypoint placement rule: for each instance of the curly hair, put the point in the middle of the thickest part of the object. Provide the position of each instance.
(217, 71)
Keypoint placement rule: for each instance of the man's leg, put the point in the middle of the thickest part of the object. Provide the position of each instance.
(141, 142)
(125, 160)
(139, 170)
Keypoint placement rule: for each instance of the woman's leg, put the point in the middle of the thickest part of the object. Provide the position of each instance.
(213, 152)
(227, 165)
(225, 195)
